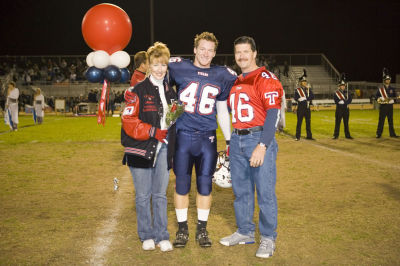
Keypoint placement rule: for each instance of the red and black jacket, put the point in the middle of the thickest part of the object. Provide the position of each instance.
(140, 119)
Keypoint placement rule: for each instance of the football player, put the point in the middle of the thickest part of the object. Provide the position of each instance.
(203, 89)
(255, 101)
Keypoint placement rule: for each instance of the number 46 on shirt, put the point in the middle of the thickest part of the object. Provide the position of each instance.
(245, 111)
(205, 103)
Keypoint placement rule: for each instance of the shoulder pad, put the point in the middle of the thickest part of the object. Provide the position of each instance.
(175, 59)
(231, 71)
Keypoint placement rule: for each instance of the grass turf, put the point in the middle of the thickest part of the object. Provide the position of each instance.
(338, 199)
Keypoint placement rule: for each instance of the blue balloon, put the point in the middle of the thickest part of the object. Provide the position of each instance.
(112, 73)
(94, 74)
(125, 75)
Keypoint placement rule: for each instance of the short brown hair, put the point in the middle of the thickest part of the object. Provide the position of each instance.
(12, 83)
(140, 58)
(208, 36)
(245, 39)
(159, 50)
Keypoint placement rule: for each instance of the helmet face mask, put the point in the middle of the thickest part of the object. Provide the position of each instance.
(222, 174)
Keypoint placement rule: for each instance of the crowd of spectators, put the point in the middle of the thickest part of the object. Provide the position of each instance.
(70, 102)
(43, 70)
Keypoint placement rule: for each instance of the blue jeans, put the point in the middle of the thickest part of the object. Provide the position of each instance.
(151, 184)
(246, 178)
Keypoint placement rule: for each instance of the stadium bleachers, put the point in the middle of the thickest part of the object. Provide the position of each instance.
(322, 75)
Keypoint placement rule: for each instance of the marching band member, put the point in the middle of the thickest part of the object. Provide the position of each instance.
(303, 95)
(342, 99)
(385, 95)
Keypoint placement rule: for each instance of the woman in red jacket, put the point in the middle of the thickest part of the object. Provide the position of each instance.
(148, 148)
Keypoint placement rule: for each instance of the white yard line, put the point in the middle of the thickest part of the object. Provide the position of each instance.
(356, 156)
(105, 235)
(349, 154)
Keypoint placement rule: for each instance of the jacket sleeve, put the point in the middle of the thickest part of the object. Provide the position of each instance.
(378, 94)
(132, 125)
(350, 98)
(296, 95)
(311, 95)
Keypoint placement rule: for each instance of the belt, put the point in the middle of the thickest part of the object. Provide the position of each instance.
(247, 131)
(12, 100)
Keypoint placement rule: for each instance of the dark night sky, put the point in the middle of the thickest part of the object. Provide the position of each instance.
(359, 37)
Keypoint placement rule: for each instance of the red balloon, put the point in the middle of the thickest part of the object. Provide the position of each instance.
(106, 27)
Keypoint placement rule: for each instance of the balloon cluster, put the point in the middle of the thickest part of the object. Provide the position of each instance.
(107, 29)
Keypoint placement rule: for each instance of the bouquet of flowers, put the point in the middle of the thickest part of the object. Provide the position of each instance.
(175, 110)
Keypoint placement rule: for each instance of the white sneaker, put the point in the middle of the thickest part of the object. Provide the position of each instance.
(165, 245)
(149, 244)
(237, 238)
(266, 249)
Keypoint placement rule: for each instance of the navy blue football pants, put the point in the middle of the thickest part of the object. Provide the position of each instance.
(198, 148)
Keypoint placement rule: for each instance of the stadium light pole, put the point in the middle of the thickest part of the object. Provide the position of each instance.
(151, 22)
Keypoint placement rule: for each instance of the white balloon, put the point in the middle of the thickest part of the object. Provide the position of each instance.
(101, 59)
(120, 59)
(89, 59)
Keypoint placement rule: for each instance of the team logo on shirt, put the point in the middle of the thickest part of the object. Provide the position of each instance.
(128, 110)
(175, 59)
(202, 73)
(271, 96)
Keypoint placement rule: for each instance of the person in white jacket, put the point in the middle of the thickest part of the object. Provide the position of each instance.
(38, 106)
(11, 114)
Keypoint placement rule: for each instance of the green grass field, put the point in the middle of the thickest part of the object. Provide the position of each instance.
(339, 200)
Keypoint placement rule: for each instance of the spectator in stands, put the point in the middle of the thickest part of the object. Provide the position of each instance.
(38, 105)
(342, 99)
(80, 69)
(50, 102)
(386, 95)
(72, 73)
(141, 66)
(92, 96)
(11, 115)
(98, 95)
(303, 95)
(27, 78)
(277, 72)
(286, 69)
(23, 100)
(111, 102)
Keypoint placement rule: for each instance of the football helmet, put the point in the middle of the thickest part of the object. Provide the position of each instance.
(222, 174)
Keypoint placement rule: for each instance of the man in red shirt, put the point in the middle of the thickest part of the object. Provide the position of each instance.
(141, 66)
(255, 101)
